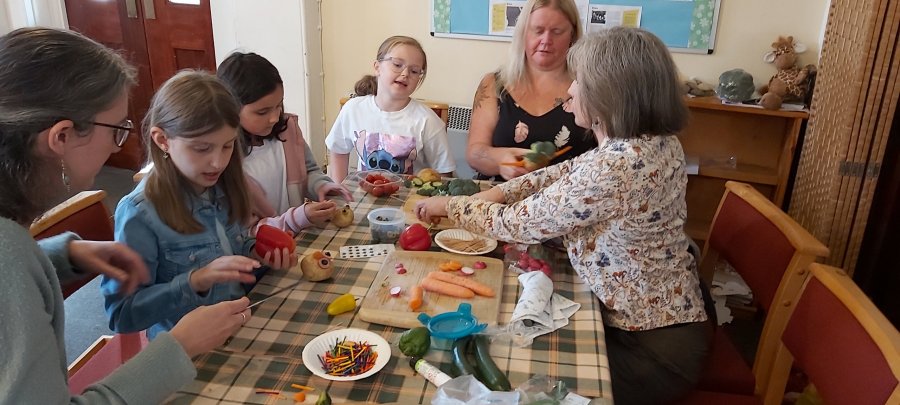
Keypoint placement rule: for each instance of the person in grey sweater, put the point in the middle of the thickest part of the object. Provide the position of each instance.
(63, 107)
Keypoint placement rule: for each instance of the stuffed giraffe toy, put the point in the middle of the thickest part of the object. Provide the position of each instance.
(789, 83)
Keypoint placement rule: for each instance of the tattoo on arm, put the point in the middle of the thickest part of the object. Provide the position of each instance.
(482, 94)
(558, 102)
(481, 154)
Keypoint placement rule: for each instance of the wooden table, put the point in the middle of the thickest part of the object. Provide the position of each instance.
(266, 352)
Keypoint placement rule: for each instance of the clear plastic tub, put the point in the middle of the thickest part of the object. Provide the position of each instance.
(385, 224)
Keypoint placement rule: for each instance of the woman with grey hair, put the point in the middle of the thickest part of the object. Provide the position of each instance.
(620, 210)
(63, 108)
(521, 103)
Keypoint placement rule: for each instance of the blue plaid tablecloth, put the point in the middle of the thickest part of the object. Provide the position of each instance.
(265, 354)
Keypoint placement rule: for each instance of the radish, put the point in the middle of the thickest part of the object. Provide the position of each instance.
(395, 292)
(401, 270)
(468, 271)
(479, 265)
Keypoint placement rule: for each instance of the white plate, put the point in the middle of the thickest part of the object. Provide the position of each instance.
(463, 234)
(325, 342)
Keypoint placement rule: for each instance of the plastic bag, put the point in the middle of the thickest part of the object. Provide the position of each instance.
(467, 390)
(539, 390)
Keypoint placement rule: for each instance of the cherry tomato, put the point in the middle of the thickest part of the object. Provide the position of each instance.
(378, 191)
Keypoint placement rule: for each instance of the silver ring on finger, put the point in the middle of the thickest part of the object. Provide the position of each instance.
(243, 318)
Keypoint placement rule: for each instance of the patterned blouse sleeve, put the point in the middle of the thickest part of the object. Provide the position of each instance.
(528, 184)
(591, 192)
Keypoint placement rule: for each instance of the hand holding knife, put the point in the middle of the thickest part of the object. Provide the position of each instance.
(278, 291)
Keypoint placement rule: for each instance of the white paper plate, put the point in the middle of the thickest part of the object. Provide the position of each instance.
(325, 342)
(463, 234)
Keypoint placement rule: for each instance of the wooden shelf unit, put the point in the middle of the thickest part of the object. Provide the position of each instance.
(732, 142)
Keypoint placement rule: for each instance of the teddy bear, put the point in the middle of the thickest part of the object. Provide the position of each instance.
(789, 83)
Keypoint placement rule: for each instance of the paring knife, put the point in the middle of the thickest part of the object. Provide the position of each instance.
(279, 291)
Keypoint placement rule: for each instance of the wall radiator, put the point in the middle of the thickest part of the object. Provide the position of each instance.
(458, 136)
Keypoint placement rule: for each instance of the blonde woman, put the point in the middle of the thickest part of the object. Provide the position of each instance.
(522, 102)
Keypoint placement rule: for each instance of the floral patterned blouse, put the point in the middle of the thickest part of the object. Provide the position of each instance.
(620, 210)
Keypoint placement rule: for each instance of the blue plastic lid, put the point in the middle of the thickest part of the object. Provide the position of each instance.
(453, 325)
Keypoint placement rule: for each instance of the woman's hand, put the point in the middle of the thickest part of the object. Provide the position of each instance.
(334, 189)
(510, 155)
(207, 327)
(432, 209)
(223, 270)
(280, 259)
(319, 213)
(111, 259)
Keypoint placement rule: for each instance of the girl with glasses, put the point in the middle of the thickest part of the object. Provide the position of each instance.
(383, 125)
(55, 86)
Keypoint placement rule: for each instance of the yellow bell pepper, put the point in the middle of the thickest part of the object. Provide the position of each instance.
(344, 303)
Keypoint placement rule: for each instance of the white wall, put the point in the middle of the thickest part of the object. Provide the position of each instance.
(352, 31)
(275, 29)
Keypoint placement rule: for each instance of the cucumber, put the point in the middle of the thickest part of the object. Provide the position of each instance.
(494, 379)
(458, 355)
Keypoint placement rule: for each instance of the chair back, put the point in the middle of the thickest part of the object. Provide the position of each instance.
(441, 109)
(769, 250)
(837, 336)
(83, 214)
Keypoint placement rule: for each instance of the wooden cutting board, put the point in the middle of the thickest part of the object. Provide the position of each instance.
(409, 209)
(380, 307)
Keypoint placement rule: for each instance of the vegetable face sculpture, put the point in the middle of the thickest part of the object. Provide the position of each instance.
(316, 266)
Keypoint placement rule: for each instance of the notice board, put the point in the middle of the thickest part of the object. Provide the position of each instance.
(683, 25)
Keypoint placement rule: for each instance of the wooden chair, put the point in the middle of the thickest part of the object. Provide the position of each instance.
(441, 109)
(836, 335)
(86, 215)
(771, 252)
(83, 214)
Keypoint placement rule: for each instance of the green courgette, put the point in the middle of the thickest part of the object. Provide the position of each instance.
(493, 378)
(461, 363)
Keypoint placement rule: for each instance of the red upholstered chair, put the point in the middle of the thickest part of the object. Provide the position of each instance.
(771, 252)
(837, 336)
(86, 215)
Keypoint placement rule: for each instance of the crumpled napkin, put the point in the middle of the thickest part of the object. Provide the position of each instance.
(539, 310)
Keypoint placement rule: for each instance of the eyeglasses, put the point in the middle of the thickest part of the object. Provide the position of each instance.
(398, 65)
(121, 133)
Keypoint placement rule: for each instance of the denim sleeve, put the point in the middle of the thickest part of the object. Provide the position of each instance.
(152, 302)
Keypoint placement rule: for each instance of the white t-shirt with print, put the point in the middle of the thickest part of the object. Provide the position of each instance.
(404, 141)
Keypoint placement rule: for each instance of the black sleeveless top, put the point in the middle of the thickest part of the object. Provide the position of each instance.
(517, 128)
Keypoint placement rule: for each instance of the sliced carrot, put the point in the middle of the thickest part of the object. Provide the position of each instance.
(300, 396)
(451, 265)
(518, 163)
(478, 288)
(442, 287)
(415, 297)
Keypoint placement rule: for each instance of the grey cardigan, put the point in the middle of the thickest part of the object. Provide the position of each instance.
(32, 343)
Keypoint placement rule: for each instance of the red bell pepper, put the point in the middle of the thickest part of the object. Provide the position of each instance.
(415, 237)
(269, 238)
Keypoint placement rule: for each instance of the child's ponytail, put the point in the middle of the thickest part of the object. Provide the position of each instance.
(368, 85)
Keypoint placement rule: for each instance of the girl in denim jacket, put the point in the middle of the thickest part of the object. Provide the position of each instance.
(188, 218)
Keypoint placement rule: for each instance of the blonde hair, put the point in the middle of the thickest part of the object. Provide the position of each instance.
(188, 105)
(369, 83)
(512, 74)
(627, 80)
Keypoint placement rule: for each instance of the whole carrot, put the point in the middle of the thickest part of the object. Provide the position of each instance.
(468, 283)
(415, 297)
(443, 287)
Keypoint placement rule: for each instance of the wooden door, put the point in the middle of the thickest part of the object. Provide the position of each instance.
(158, 37)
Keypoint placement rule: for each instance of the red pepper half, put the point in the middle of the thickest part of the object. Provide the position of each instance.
(269, 238)
(415, 237)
